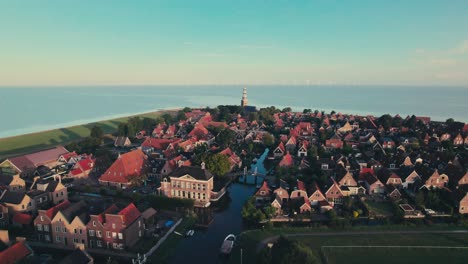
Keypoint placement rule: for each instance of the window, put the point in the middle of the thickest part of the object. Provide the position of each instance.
(113, 226)
(81, 231)
(47, 238)
(58, 238)
(99, 234)
(94, 223)
(64, 230)
(139, 233)
(91, 233)
(75, 240)
(39, 227)
(74, 230)
(114, 235)
(108, 234)
(120, 236)
(139, 223)
(99, 243)
(57, 229)
(42, 218)
(56, 195)
(46, 228)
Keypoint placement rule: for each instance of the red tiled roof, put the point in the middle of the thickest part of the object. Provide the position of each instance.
(198, 131)
(157, 143)
(42, 157)
(130, 214)
(51, 212)
(22, 163)
(126, 166)
(14, 253)
(287, 161)
(69, 155)
(265, 189)
(23, 219)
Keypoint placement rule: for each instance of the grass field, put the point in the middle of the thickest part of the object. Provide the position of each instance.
(394, 255)
(250, 240)
(380, 208)
(23, 144)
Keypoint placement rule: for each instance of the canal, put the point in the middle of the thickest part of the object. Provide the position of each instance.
(205, 244)
(227, 219)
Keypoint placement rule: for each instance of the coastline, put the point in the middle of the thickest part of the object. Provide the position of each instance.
(25, 143)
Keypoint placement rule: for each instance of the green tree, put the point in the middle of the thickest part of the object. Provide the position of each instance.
(96, 132)
(167, 118)
(286, 109)
(225, 137)
(186, 109)
(181, 116)
(286, 251)
(218, 164)
(268, 140)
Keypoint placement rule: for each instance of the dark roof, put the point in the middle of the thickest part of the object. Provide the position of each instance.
(196, 172)
(5, 179)
(12, 197)
(76, 209)
(77, 256)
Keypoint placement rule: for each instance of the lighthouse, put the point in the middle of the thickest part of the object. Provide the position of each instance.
(244, 100)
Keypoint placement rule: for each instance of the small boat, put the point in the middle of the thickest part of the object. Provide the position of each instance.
(228, 244)
(189, 233)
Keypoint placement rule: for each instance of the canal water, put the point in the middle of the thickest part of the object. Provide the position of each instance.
(204, 245)
(257, 172)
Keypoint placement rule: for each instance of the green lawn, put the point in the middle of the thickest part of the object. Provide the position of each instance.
(23, 144)
(249, 241)
(394, 255)
(380, 208)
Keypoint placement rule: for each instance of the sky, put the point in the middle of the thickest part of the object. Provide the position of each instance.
(417, 42)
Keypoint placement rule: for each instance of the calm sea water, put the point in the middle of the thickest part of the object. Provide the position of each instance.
(33, 109)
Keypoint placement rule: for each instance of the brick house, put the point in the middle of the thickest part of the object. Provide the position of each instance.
(315, 195)
(43, 221)
(115, 228)
(69, 225)
(122, 172)
(437, 180)
(334, 194)
(263, 193)
(190, 182)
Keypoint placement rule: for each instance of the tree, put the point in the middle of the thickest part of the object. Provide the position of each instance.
(181, 116)
(286, 110)
(218, 164)
(268, 140)
(305, 111)
(122, 130)
(291, 251)
(96, 132)
(167, 118)
(187, 109)
(386, 121)
(225, 137)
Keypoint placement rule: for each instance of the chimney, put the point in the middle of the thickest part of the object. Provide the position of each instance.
(202, 165)
(180, 163)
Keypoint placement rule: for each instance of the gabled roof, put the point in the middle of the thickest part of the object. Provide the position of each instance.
(128, 165)
(15, 253)
(287, 161)
(12, 197)
(51, 212)
(20, 218)
(41, 157)
(265, 189)
(74, 210)
(196, 172)
(130, 214)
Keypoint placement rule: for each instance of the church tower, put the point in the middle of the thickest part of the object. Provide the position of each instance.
(244, 100)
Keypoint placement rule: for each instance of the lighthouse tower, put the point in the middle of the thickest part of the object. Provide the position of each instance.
(244, 100)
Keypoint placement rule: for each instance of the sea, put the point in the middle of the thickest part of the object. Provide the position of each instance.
(33, 109)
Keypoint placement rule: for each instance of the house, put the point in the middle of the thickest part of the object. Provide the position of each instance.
(189, 182)
(389, 178)
(234, 160)
(346, 128)
(12, 182)
(279, 151)
(372, 183)
(349, 186)
(125, 170)
(463, 207)
(17, 202)
(166, 148)
(325, 206)
(282, 193)
(122, 142)
(26, 164)
(334, 143)
(302, 151)
(315, 195)
(301, 204)
(464, 179)
(264, 193)
(291, 144)
(287, 161)
(43, 221)
(17, 253)
(115, 228)
(57, 192)
(437, 180)
(277, 203)
(172, 164)
(411, 179)
(334, 194)
(393, 193)
(21, 220)
(458, 140)
(407, 162)
(69, 225)
(299, 191)
(82, 168)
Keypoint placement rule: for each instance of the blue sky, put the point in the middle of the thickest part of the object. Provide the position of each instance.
(233, 42)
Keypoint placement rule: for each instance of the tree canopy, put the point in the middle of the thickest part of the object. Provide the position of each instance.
(286, 251)
(218, 164)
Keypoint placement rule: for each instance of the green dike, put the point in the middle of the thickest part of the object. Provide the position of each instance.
(322, 245)
(24, 144)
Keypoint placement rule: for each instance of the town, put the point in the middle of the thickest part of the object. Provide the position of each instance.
(117, 198)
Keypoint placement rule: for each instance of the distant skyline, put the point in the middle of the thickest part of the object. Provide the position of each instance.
(233, 42)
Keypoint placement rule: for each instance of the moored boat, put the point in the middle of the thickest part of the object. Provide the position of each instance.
(228, 244)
